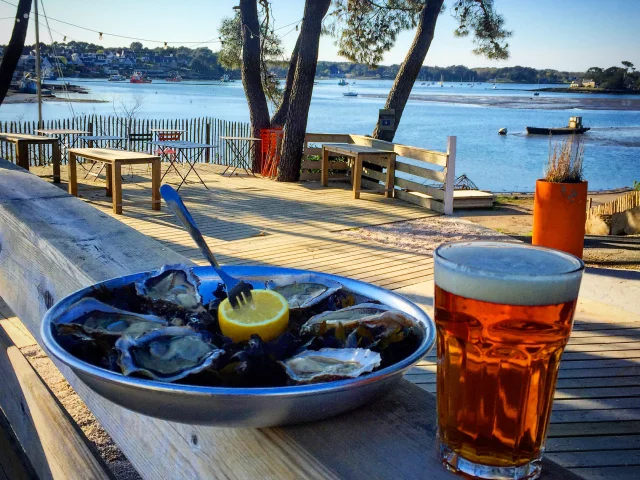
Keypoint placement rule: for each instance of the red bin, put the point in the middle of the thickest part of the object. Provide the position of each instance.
(271, 139)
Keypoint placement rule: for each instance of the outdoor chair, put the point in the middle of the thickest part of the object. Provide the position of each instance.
(168, 137)
(134, 139)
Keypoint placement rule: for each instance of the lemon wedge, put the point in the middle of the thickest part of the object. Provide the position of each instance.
(267, 316)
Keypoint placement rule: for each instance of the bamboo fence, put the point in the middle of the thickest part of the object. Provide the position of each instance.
(201, 130)
(620, 204)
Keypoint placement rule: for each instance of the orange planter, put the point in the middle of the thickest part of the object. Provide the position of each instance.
(559, 215)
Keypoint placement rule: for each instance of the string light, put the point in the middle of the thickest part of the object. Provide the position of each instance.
(165, 45)
(100, 36)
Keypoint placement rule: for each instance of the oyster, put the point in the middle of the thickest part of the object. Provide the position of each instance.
(329, 364)
(369, 314)
(89, 317)
(168, 354)
(303, 291)
(173, 284)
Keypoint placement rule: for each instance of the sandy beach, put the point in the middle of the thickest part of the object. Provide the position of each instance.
(31, 98)
(530, 102)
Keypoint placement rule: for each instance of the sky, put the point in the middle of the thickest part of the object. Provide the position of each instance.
(560, 34)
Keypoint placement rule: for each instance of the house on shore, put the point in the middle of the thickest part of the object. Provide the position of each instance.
(583, 84)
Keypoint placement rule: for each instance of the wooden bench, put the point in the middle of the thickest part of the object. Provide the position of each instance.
(22, 142)
(114, 159)
(53, 245)
(360, 154)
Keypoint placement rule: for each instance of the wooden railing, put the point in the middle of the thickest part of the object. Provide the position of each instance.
(201, 130)
(424, 177)
(620, 204)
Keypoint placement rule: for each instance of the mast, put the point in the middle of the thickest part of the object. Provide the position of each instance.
(38, 73)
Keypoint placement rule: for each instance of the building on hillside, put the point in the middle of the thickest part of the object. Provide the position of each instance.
(583, 84)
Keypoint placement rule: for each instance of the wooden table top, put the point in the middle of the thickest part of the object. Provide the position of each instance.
(352, 149)
(25, 136)
(109, 155)
(61, 131)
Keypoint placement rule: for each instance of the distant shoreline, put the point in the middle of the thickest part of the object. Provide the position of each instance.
(534, 103)
(586, 90)
(14, 98)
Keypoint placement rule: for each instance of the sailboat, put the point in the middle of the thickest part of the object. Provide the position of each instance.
(441, 82)
(350, 93)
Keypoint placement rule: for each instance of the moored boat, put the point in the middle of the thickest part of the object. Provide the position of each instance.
(556, 131)
(174, 78)
(139, 77)
(350, 94)
(117, 78)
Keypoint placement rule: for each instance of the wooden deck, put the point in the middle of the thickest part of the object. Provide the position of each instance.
(595, 430)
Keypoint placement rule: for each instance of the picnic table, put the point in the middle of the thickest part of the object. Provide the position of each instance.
(114, 159)
(179, 150)
(360, 154)
(102, 141)
(22, 142)
(68, 137)
(242, 149)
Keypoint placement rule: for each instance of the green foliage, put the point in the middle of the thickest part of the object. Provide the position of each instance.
(272, 52)
(636, 185)
(365, 30)
(616, 78)
(136, 46)
(478, 17)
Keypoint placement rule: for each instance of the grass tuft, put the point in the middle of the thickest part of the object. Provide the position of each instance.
(565, 161)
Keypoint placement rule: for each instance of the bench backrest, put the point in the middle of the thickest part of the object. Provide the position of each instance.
(414, 168)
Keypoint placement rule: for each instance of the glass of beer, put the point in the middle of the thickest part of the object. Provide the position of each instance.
(503, 313)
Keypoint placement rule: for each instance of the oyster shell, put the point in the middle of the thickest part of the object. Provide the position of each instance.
(175, 284)
(303, 291)
(89, 317)
(329, 364)
(168, 354)
(369, 314)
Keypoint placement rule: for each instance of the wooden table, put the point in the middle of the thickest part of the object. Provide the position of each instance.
(360, 154)
(44, 247)
(22, 142)
(67, 137)
(114, 159)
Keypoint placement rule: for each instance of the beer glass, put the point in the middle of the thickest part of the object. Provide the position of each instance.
(503, 313)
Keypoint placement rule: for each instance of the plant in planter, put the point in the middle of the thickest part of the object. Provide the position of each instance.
(560, 203)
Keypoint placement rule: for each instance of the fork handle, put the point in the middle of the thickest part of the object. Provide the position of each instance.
(178, 207)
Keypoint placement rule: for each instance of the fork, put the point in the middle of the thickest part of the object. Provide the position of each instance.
(238, 291)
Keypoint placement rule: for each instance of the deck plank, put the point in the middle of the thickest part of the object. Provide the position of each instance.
(249, 221)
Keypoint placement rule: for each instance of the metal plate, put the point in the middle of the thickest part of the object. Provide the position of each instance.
(240, 407)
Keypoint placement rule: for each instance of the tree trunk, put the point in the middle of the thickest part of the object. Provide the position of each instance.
(14, 50)
(280, 115)
(410, 68)
(302, 88)
(250, 69)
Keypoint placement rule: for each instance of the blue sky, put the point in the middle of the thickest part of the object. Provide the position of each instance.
(561, 34)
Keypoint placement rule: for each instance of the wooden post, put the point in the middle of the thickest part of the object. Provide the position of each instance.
(22, 154)
(324, 168)
(56, 159)
(116, 183)
(155, 184)
(450, 175)
(391, 176)
(90, 130)
(357, 175)
(109, 180)
(73, 179)
(207, 152)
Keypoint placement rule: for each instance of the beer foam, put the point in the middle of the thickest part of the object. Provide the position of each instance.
(508, 273)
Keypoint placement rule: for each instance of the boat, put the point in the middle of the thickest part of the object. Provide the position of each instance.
(174, 78)
(556, 131)
(139, 77)
(342, 82)
(536, 94)
(117, 78)
(29, 84)
(225, 78)
(350, 94)
(441, 82)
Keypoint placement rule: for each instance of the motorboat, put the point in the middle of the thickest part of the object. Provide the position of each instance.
(139, 77)
(117, 78)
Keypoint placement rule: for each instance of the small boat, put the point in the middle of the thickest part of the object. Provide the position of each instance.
(139, 77)
(342, 82)
(350, 94)
(117, 78)
(441, 82)
(556, 131)
(536, 94)
(174, 78)
(225, 78)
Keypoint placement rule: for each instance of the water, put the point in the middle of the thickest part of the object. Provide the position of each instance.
(493, 162)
